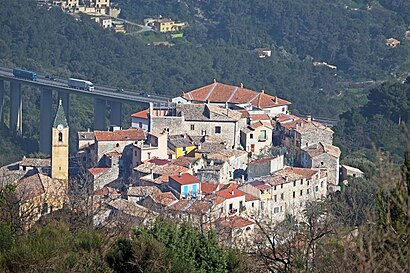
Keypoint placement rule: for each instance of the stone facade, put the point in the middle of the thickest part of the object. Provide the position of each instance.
(264, 166)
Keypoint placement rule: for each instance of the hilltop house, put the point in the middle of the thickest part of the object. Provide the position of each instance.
(235, 96)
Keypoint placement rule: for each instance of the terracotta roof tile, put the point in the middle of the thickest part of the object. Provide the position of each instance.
(141, 114)
(230, 193)
(234, 222)
(256, 117)
(120, 135)
(164, 198)
(260, 123)
(185, 179)
(260, 185)
(219, 93)
(158, 161)
(208, 188)
(98, 171)
(250, 197)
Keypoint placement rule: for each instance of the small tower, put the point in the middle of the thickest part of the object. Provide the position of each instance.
(59, 146)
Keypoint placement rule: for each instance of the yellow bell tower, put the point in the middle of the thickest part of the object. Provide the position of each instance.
(59, 147)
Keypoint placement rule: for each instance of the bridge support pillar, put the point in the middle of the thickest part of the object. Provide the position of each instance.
(65, 99)
(16, 109)
(1, 103)
(116, 113)
(99, 114)
(46, 108)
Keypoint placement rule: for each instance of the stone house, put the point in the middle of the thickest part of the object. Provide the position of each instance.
(237, 161)
(41, 165)
(292, 130)
(345, 171)
(198, 212)
(323, 155)
(293, 187)
(257, 138)
(264, 166)
(118, 140)
(137, 194)
(185, 186)
(392, 42)
(38, 194)
(238, 96)
(100, 177)
(222, 123)
(214, 170)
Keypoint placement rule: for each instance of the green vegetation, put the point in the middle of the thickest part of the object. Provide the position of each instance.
(380, 124)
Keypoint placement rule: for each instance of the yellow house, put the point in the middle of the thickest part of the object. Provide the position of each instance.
(164, 25)
(182, 145)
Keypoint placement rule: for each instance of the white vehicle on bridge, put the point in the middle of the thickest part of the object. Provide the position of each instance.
(80, 84)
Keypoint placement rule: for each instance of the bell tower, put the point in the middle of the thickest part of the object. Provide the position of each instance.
(59, 147)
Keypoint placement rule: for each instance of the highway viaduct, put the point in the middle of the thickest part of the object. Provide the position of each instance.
(102, 96)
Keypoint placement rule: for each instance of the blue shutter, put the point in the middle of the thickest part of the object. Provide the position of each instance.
(185, 191)
(194, 189)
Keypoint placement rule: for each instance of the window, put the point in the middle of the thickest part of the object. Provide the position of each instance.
(294, 194)
(281, 186)
(140, 124)
(217, 129)
(60, 137)
(283, 109)
(321, 184)
(203, 132)
(321, 163)
(274, 188)
(149, 155)
(276, 210)
(117, 145)
(253, 204)
(294, 183)
(44, 208)
(317, 188)
(308, 182)
(192, 127)
(307, 191)
(262, 135)
(240, 204)
(275, 198)
(301, 192)
(184, 149)
(135, 153)
(251, 136)
(301, 182)
(281, 196)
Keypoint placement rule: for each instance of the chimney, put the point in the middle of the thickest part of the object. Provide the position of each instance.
(309, 118)
(214, 80)
(241, 85)
(179, 174)
(232, 192)
(262, 91)
(276, 99)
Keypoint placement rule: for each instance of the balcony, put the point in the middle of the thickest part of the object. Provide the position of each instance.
(262, 139)
(232, 211)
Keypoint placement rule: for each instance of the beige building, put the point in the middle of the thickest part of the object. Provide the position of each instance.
(293, 187)
(257, 137)
(234, 201)
(155, 146)
(323, 156)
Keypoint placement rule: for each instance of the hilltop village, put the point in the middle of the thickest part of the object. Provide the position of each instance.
(221, 156)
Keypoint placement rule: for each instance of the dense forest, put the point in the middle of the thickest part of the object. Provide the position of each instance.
(218, 45)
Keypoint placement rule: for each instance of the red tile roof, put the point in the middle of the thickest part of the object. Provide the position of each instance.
(208, 188)
(259, 124)
(120, 135)
(219, 92)
(158, 161)
(185, 179)
(256, 117)
(305, 172)
(234, 222)
(250, 197)
(97, 171)
(230, 193)
(141, 114)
